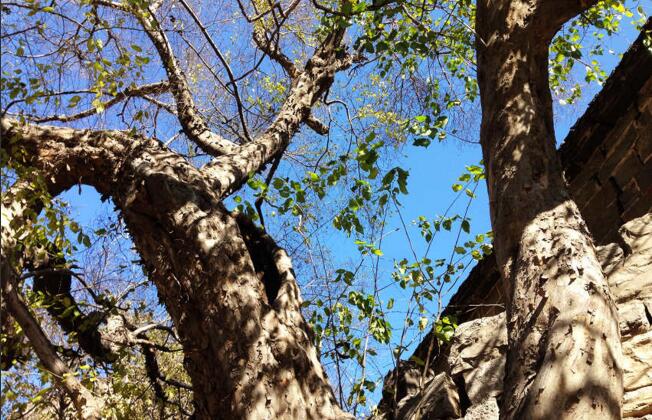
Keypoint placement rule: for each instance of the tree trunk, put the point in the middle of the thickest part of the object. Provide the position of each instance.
(564, 350)
(228, 288)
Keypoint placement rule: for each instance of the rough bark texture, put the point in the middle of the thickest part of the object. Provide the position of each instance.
(475, 357)
(564, 344)
(262, 362)
(229, 289)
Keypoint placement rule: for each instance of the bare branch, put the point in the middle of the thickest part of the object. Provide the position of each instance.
(220, 56)
(273, 51)
(149, 89)
(268, 180)
(191, 121)
(229, 172)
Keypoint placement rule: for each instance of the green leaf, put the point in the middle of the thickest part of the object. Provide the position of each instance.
(422, 142)
(74, 101)
(466, 226)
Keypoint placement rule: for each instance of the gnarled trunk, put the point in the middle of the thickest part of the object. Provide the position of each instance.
(564, 343)
(228, 288)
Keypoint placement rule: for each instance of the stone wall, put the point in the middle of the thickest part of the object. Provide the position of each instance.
(607, 159)
(467, 381)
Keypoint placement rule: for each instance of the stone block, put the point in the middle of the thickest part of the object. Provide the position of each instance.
(637, 234)
(617, 151)
(644, 178)
(583, 193)
(644, 138)
(638, 403)
(627, 169)
(637, 362)
(633, 280)
(485, 410)
(633, 318)
(438, 400)
(611, 257)
(639, 208)
(478, 354)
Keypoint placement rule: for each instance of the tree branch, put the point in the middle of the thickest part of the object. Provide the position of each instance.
(229, 72)
(316, 125)
(191, 121)
(141, 91)
(273, 51)
(88, 406)
(552, 14)
(229, 172)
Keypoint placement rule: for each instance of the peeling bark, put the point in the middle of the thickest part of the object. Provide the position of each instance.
(564, 343)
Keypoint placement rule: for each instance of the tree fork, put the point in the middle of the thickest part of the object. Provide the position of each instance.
(262, 361)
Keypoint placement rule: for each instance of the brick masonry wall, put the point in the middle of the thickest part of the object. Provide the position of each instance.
(608, 154)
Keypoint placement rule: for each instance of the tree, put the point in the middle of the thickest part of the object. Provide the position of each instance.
(207, 262)
(228, 287)
(564, 342)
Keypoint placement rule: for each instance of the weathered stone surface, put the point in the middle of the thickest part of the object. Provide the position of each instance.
(638, 403)
(637, 361)
(478, 354)
(438, 400)
(611, 257)
(477, 350)
(634, 317)
(633, 280)
(485, 410)
(401, 384)
(637, 233)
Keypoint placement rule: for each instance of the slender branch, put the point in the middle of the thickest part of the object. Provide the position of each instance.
(273, 51)
(229, 172)
(167, 107)
(88, 406)
(229, 72)
(191, 121)
(149, 89)
(268, 180)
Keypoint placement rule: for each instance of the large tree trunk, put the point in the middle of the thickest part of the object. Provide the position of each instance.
(564, 342)
(228, 288)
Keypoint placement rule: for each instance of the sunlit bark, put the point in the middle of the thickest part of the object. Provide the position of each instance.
(564, 343)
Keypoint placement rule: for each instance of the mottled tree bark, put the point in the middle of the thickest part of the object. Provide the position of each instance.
(228, 288)
(564, 343)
